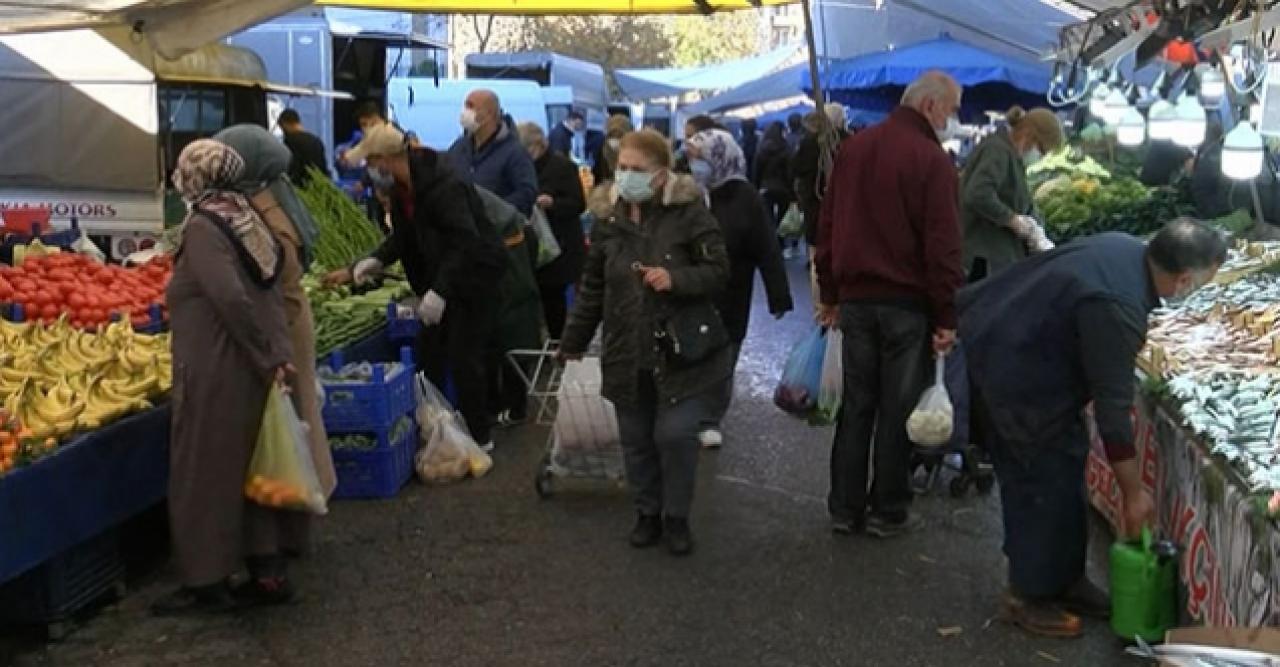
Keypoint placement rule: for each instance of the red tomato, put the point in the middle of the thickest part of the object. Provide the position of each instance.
(97, 315)
(24, 286)
(50, 311)
(75, 300)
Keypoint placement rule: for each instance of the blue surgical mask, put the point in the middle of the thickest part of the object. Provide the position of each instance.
(1032, 156)
(382, 180)
(702, 172)
(635, 187)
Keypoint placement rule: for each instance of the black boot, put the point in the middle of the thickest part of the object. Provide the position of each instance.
(679, 539)
(194, 601)
(648, 531)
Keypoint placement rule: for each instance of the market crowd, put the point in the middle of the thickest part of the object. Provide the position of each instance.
(911, 260)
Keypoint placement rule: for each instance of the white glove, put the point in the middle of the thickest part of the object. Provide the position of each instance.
(366, 270)
(1037, 240)
(431, 308)
(1023, 225)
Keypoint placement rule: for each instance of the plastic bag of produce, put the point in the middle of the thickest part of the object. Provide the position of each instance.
(797, 392)
(933, 419)
(281, 473)
(792, 225)
(548, 246)
(585, 420)
(450, 453)
(831, 384)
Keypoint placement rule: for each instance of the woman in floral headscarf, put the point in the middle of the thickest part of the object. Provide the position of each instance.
(230, 345)
(719, 166)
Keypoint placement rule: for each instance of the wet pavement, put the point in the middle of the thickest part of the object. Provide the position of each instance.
(485, 573)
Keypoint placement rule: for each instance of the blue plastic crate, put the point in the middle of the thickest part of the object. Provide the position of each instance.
(369, 406)
(379, 472)
(65, 584)
(402, 330)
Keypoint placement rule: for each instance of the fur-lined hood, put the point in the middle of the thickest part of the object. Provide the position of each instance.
(680, 190)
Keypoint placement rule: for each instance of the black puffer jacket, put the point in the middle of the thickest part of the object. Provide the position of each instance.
(676, 232)
(558, 177)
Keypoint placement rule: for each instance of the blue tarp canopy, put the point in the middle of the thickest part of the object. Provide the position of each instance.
(648, 84)
(548, 69)
(992, 81)
(777, 86)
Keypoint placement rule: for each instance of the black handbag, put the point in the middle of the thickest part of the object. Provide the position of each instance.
(692, 333)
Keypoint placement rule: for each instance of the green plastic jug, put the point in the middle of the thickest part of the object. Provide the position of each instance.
(1143, 590)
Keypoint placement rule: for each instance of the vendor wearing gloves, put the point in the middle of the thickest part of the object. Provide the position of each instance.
(1043, 340)
(996, 208)
(453, 258)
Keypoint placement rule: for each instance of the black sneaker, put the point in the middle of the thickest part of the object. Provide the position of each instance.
(885, 528)
(201, 600)
(648, 531)
(679, 539)
(841, 526)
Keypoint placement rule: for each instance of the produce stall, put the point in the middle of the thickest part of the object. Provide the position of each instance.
(1207, 438)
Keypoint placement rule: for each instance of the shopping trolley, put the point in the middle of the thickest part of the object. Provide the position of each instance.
(583, 441)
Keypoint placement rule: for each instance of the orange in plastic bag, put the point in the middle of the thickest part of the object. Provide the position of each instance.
(281, 473)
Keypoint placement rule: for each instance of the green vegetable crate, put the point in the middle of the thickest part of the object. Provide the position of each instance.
(380, 468)
(369, 406)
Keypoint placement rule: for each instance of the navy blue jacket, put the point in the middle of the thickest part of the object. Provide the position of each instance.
(501, 166)
(1051, 333)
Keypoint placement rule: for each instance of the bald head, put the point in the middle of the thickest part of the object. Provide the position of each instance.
(486, 109)
(935, 95)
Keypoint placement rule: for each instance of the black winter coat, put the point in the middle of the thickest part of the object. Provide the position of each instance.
(773, 168)
(558, 177)
(752, 245)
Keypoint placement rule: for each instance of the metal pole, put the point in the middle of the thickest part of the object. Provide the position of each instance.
(1257, 201)
(815, 77)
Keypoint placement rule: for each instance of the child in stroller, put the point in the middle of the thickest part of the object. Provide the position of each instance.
(963, 453)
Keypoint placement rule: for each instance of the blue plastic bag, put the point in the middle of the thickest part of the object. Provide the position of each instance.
(797, 391)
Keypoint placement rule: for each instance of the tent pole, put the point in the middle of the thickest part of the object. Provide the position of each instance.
(814, 76)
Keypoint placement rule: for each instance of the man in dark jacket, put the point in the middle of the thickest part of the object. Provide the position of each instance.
(562, 135)
(453, 258)
(1042, 340)
(750, 141)
(489, 153)
(307, 149)
(889, 256)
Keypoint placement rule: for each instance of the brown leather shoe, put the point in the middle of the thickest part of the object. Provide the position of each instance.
(1086, 599)
(1039, 618)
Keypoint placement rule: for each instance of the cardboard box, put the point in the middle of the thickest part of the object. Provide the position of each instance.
(1264, 640)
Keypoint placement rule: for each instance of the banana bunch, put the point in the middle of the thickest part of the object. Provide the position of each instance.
(59, 380)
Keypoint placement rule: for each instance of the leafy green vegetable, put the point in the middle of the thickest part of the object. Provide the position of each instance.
(346, 233)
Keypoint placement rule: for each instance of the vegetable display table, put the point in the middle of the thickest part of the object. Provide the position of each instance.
(1228, 568)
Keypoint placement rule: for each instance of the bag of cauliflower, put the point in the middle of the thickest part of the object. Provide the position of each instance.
(450, 453)
(932, 420)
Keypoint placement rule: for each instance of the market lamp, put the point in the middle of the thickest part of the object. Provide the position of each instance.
(1098, 101)
(1189, 128)
(1132, 129)
(1162, 118)
(1114, 108)
(1242, 153)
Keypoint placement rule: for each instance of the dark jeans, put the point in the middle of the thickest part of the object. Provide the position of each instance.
(555, 307)
(1042, 497)
(720, 407)
(459, 345)
(886, 367)
(660, 444)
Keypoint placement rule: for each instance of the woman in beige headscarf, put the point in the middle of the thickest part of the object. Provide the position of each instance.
(230, 345)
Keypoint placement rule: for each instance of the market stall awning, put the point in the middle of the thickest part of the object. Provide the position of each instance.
(173, 27)
(558, 7)
(968, 64)
(780, 85)
(647, 84)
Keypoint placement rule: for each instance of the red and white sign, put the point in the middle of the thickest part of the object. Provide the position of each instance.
(97, 212)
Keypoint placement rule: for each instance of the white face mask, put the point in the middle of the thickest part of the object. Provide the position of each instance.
(1032, 156)
(381, 179)
(468, 120)
(948, 131)
(615, 143)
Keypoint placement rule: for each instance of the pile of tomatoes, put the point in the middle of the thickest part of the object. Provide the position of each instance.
(89, 293)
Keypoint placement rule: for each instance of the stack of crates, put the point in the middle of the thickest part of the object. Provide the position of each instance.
(376, 410)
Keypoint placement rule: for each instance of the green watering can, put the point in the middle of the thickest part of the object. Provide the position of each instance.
(1143, 588)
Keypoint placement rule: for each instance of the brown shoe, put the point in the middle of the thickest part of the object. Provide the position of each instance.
(1039, 618)
(1086, 599)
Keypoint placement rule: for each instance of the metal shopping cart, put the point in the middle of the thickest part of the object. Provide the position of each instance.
(583, 441)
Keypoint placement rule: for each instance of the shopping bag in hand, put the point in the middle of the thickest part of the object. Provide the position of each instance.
(281, 473)
(548, 246)
(792, 224)
(797, 392)
(831, 384)
(930, 424)
(450, 453)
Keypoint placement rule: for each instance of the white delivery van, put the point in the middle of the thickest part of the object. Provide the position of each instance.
(431, 109)
(585, 80)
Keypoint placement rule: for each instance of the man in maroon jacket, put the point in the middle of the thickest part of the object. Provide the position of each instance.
(889, 264)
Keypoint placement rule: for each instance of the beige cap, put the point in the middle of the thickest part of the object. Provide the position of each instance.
(383, 139)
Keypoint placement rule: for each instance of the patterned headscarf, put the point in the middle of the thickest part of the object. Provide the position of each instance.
(206, 176)
(724, 155)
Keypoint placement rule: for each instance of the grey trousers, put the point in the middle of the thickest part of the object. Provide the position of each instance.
(660, 444)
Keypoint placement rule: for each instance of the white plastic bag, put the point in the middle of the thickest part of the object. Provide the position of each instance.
(450, 453)
(548, 246)
(281, 473)
(84, 246)
(831, 385)
(930, 424)
(585, 421)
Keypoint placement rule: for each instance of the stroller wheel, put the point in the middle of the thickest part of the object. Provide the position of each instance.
(959, 486)
(985, 483)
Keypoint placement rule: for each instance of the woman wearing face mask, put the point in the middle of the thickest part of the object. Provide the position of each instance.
(606, 161)
(720, 168)
(999, 217)
(657, 260)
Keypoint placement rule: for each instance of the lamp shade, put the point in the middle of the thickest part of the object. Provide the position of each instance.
(1098, 101)
(1114, 107)
(1242, 154)
(1132, 128)
(1161, 119)
(1212, 87)
(1188, 129)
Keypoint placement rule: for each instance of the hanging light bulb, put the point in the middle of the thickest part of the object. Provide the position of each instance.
(1212, 87)
(1132, 128)
(1242, 153)
(1115, 107)
(1098, 100)
(1188, 129)
(1161, 119)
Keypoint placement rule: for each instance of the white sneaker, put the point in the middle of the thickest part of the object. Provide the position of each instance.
(788, 253)
(487, 447)
(711, 438)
